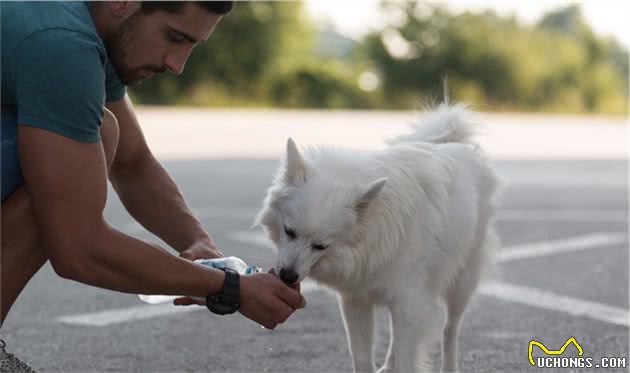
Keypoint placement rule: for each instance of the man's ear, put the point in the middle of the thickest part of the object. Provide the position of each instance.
(122, 8)
(371, 190)
(295, 168)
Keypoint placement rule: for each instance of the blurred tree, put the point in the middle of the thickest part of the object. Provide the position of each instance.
(603, 54)
(319, 86)
(495, 63)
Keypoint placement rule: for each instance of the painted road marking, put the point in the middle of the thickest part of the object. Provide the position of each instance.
(513, 293)
(587, 215)
(565, 245)
(526, 295)
(541, 299)
(253, 238)
(143, 312)
(506, 254)
(548, 300)
(127, 314)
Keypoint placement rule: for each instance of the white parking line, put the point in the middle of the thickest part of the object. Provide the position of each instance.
(143, 312)
(588, 215)
(239, 213)
(565, 245)
(541, 299)
(556, 302)
(252, 238)
(524, 295)
(127, 314)
(513, 293)
(506, 254)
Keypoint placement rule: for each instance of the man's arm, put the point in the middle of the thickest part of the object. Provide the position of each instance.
(66, 181)
(148, 191)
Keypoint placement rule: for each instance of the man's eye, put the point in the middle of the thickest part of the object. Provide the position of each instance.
(175, 37)
(290, 232)
(319, 247)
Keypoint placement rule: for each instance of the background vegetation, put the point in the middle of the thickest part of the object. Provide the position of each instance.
(270, 54)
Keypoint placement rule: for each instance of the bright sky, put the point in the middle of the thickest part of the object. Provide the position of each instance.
(355, 17)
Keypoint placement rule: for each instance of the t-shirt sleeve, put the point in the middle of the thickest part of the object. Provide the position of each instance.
(61, 84)
(115, 89)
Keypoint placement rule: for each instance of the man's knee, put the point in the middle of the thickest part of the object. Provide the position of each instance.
(109, 136)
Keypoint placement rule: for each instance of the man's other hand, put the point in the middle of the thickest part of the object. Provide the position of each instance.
(201, 250)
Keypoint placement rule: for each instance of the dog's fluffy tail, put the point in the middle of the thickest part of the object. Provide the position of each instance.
(446, 123)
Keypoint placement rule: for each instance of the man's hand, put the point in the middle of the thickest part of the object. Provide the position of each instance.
(203, 249)
(266, 300)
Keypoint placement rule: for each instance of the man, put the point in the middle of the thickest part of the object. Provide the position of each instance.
(68, 126)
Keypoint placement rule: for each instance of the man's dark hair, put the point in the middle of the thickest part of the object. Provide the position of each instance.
(217, 7)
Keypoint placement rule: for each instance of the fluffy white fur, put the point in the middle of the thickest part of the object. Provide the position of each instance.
(409, 227)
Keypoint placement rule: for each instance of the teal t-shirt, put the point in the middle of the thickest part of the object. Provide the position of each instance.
(55, 68)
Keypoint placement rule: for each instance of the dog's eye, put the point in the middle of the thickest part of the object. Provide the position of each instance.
(290, 232)
(319, 247)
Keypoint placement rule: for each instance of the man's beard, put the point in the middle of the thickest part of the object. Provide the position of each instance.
(116, 47)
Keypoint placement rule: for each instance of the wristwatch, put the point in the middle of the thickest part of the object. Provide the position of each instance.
(228, 301)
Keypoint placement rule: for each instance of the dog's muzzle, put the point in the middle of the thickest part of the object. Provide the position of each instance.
(288, 276)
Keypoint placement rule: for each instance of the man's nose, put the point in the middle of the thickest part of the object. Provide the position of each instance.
(288, 276)
(176, 60)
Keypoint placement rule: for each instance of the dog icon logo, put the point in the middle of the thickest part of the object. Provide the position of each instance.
(547, 351)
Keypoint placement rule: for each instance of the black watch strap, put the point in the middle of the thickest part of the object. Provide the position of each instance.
(228, 301)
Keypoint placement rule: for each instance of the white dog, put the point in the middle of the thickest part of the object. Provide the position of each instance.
(409, 227)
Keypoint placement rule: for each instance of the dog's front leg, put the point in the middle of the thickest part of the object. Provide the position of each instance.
(358, 317)
(415, 327)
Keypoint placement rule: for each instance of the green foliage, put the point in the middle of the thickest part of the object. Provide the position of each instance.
(317, 87)
(269, 54)
(495, 63)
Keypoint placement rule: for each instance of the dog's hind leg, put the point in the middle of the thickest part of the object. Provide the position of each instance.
(456, 307)
(417, 322)
(358, 317)
(458, 295)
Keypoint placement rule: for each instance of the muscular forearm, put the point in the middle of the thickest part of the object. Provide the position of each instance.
(119, 262)
(150, 195)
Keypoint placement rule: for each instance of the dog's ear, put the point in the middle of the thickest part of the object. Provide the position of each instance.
(371, 191)
(295, 169)
(267, 219)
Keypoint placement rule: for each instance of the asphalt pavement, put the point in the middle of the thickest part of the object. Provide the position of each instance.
(563, 272)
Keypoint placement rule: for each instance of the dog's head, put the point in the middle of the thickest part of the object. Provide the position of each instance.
(313, 217)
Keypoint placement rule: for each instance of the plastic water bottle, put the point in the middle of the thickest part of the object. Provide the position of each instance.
(230, 262)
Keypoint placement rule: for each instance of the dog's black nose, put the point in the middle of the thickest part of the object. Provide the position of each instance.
(288, 276)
